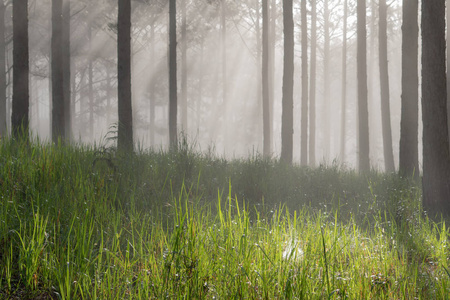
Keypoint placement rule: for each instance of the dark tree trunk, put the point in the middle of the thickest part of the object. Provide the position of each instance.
(265, 78)
(409, 157)
(3, 99)
(272, 38)
(312, 87)
(90, 80)
(66, 69)
(173, 74)
(184, 97)
(344, 83)
(436, 157)
(288, 84)
(58, 121)
(304, 119)
(125, 130)
(326, 84)
(363, 114)
(21, 97)
(384, 89)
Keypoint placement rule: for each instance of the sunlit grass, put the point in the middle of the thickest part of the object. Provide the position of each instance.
(79, 223)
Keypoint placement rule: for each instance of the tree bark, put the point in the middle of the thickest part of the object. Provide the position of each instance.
(66, 69)
(58, 122)
(265, 78)
(363, 114)
(173, 133)
(125, 130)
(436, 156)
(312, 87)
(184, 97)
(326, 83)
(21, 97)
(344, 83)
(3, 99)
(304, 119)
(384, 89)
(409, 157)
(288, 84)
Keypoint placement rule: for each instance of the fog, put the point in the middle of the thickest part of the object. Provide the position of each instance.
(224, 114)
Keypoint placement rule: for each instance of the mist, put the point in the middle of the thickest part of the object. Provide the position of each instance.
(224, 98)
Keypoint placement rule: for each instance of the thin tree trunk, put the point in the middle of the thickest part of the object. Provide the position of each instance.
(287, 130)
(363, 114)
(312, 87)
(304, 119)
(3, 98)
(21, 98)
(265, 78)
(58, 122)
(66, 69)
(272, 38)
(344, 83)
(326, 84)
(173, 74)
(91, 85)
(409, 157)
(384, 89)
(125, 111)
(152, 86)
(184, 97)
(436, 156)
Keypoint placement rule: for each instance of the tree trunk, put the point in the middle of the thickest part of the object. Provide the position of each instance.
(184, 98)
(344, 83)
(409, 157)
(3, 99)
(152, 86)
(21, 98)
(326, 83)
(363, 114)
(288, 84)
(272, 38)
(125, 130)
(384, 89)
(312, 87)
(58, 121)
(91, 85)
(304, 119)
(265, 78)
(436, 156)
(66, 69)
(173, 74)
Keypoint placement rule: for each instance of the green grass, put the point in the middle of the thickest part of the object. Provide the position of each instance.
(91, 223)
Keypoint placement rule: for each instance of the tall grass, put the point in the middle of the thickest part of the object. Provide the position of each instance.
(91, 223)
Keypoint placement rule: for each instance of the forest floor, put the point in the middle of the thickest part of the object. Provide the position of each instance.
(91, 223)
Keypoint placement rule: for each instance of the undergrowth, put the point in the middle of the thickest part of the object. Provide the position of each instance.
(92, 223)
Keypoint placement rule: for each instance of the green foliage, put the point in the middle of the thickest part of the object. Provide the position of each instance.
(93, 223)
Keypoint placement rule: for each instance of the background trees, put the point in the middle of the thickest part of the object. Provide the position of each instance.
(224, 60)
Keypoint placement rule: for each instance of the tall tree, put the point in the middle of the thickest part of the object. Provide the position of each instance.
(21, 97)
(58, 121)
(304, 119)
(66, 68)
(326, 82)
(184, 95)
(265, 78)
(173, 73)
(287, 118)
(344, 82)
(3, 127)
(312, 86)
(125, 130)
(384, 88)
(363, 114)
(436, 156)
(409, 154)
